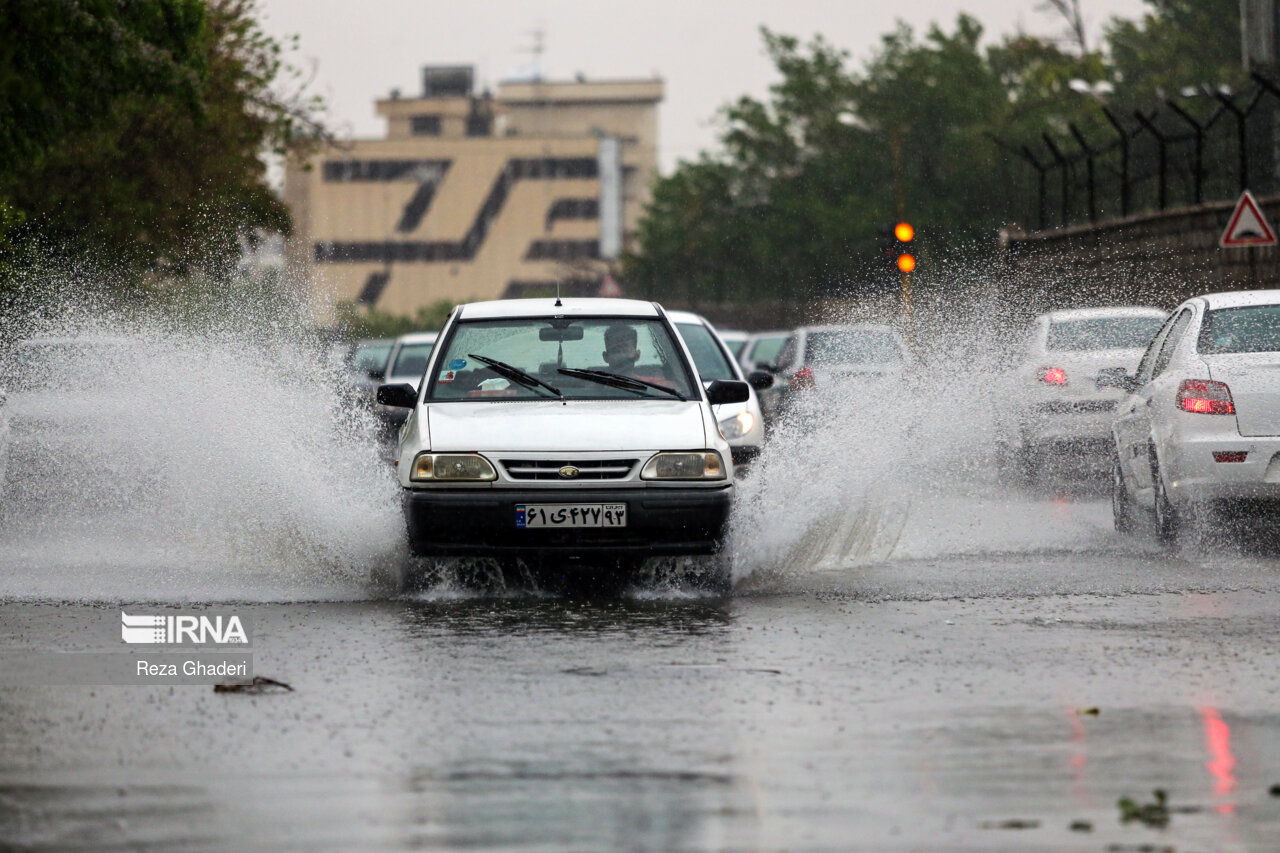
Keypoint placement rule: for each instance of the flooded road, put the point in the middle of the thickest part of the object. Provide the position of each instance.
(930, 684)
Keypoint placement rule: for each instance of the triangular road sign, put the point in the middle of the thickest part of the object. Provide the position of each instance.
(1248, 227)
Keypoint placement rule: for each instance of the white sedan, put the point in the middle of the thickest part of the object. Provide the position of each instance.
(1057, 410)
(741, 424)
(1200, 427)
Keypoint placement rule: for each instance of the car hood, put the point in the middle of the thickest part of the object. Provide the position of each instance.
(584, 425)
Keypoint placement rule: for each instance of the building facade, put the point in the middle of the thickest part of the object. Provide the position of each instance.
(476, 195)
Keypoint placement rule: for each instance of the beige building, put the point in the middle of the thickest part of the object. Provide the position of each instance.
(476, 195)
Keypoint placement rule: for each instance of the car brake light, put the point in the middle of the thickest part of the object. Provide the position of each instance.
(1053, 376)
(1204, 397)
(1229, 455)
(802, 379)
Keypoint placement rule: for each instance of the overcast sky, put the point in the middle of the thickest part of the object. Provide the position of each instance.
(708, 51)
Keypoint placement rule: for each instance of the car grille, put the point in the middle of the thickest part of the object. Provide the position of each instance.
(549, 469)
(1077, 407)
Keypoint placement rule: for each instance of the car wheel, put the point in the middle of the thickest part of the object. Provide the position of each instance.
(1167, 519)
(1121, 507)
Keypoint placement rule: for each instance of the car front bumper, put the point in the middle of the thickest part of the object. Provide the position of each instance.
(482, 523)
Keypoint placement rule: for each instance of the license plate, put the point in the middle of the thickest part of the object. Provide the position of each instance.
(571, 515)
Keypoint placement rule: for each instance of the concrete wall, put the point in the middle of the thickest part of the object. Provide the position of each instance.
(1153, 259)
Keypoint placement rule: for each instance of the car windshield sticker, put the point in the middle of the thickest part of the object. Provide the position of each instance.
(457, 364)
(446, 376)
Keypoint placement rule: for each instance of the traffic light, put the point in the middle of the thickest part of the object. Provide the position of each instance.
(895, 247)
(904, 234)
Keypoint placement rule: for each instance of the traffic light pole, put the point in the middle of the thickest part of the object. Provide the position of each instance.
(896, 146)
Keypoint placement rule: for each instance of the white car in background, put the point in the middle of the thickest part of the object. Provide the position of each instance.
(734, 341)
(846, 355)
(405, 364)
(1056, 410)
(762, 348)
(741, 424)
(566, 432)
(1199, 428)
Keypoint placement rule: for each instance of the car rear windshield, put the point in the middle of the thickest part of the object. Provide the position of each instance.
(765, 350)
(411, 360)
(1102, 333)
(366, 357)
(853, 346)
(707, 355)
(1255, 328)
(637, 348)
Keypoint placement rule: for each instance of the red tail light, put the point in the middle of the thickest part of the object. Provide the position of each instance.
(802, 379)
(1204, 397)
(1053, 376)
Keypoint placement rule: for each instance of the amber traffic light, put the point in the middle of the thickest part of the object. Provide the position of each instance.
(904, 232)
(906, 262)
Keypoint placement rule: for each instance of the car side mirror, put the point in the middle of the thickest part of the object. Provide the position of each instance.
(728, 391)
(401, 396)
(1116, 377)
(760, 379)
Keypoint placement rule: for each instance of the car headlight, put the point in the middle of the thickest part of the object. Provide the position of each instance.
(704, 465)
(737, 426)
(451, 467)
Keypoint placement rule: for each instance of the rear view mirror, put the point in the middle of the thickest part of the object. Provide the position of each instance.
(728, 391)
(402, 396)
(568, 333)
(760, 380)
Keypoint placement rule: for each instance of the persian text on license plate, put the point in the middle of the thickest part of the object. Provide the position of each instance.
(571, 515)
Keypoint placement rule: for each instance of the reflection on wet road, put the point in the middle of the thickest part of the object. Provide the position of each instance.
(933, 694)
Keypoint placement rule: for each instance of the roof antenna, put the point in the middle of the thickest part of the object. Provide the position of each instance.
(558, 304)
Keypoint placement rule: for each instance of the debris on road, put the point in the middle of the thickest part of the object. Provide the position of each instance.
(1088, 712)
(1081, 826)
(1016, 823)
(1152, 814)
(260, 684)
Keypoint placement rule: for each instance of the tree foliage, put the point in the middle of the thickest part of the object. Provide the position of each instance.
(136, 132)
(793, 203)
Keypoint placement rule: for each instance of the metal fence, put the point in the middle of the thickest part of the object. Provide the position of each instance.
(1176, 154)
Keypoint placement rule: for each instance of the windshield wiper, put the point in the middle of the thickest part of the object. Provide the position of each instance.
(515, 374)
(617, 380)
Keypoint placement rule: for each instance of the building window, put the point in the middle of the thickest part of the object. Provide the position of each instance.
(424, 125)
(479, 124)
(563, 250)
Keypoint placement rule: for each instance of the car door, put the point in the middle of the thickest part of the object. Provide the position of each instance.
(1153, 401)
(1131, 440)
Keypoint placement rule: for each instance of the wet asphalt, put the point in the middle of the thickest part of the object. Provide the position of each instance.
(996, 675)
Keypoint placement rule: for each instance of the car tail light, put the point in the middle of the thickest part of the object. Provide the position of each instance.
(1205, 397)
(802, 379)
(1229, 455)
(1053, 376)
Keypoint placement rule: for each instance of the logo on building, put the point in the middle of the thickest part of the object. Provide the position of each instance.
(183, 630)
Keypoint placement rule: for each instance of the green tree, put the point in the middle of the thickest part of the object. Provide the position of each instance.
(163, 173)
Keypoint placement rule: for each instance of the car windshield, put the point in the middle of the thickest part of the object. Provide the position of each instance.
(853, 346)
(735, 346)
(1102, 333)
(707, 355)
(39, 365)
(539, 347)
(371, 356)
(411, 360)
(1255, 328)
